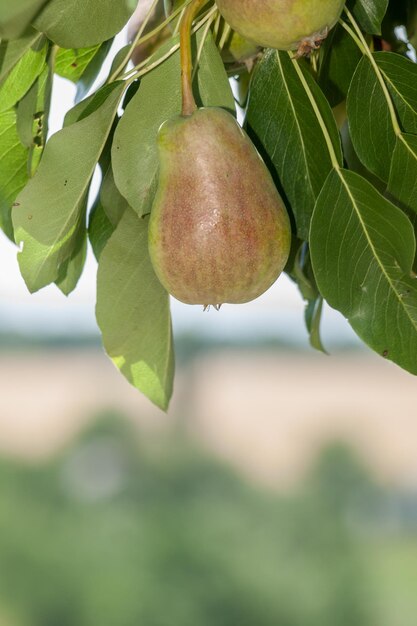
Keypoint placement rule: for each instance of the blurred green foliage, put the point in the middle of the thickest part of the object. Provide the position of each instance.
(119, 532)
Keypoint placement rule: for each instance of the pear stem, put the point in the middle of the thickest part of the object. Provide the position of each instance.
(188, 102)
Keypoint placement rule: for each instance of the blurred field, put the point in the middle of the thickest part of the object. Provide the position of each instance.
(280, 490)
(267, 413)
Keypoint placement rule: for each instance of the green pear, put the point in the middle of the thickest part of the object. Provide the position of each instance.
(218, 229)
(282, 24)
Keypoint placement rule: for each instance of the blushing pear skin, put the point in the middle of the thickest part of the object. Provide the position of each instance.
(283, 24)
(218, 231)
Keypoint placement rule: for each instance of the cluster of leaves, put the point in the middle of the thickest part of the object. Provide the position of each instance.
(350, 189)
(351, 192)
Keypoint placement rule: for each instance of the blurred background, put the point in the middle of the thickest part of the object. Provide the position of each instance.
(279, 490)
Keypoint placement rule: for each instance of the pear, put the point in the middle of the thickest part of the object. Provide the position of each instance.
(283, 24)
(218, 229)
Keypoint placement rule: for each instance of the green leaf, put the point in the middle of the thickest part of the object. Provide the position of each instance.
(114, 204)
(287, 127)
(402, 183)
(400, 75)
(133, 311)
(52, 204)
(100, 229)
(108, 208)
(87, 106)
(109, 205)
(15, 16)
(82, 23)
(339, 57)
(119, 57)
(313, 314)
(413, 220)
(92, 70)
(14, 86)
(159, 98)
(81, 110)
(13, 168)
(370, 124)
(362, 249)
(211, 84)
(301, 272)
(32, 118)
(354, 163)
(70, 63)
(370, 14)
(12, 51)
(71, 270)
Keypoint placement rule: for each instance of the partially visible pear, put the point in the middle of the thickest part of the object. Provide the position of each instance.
(218, 230)
(236, 49)
(282, 24)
